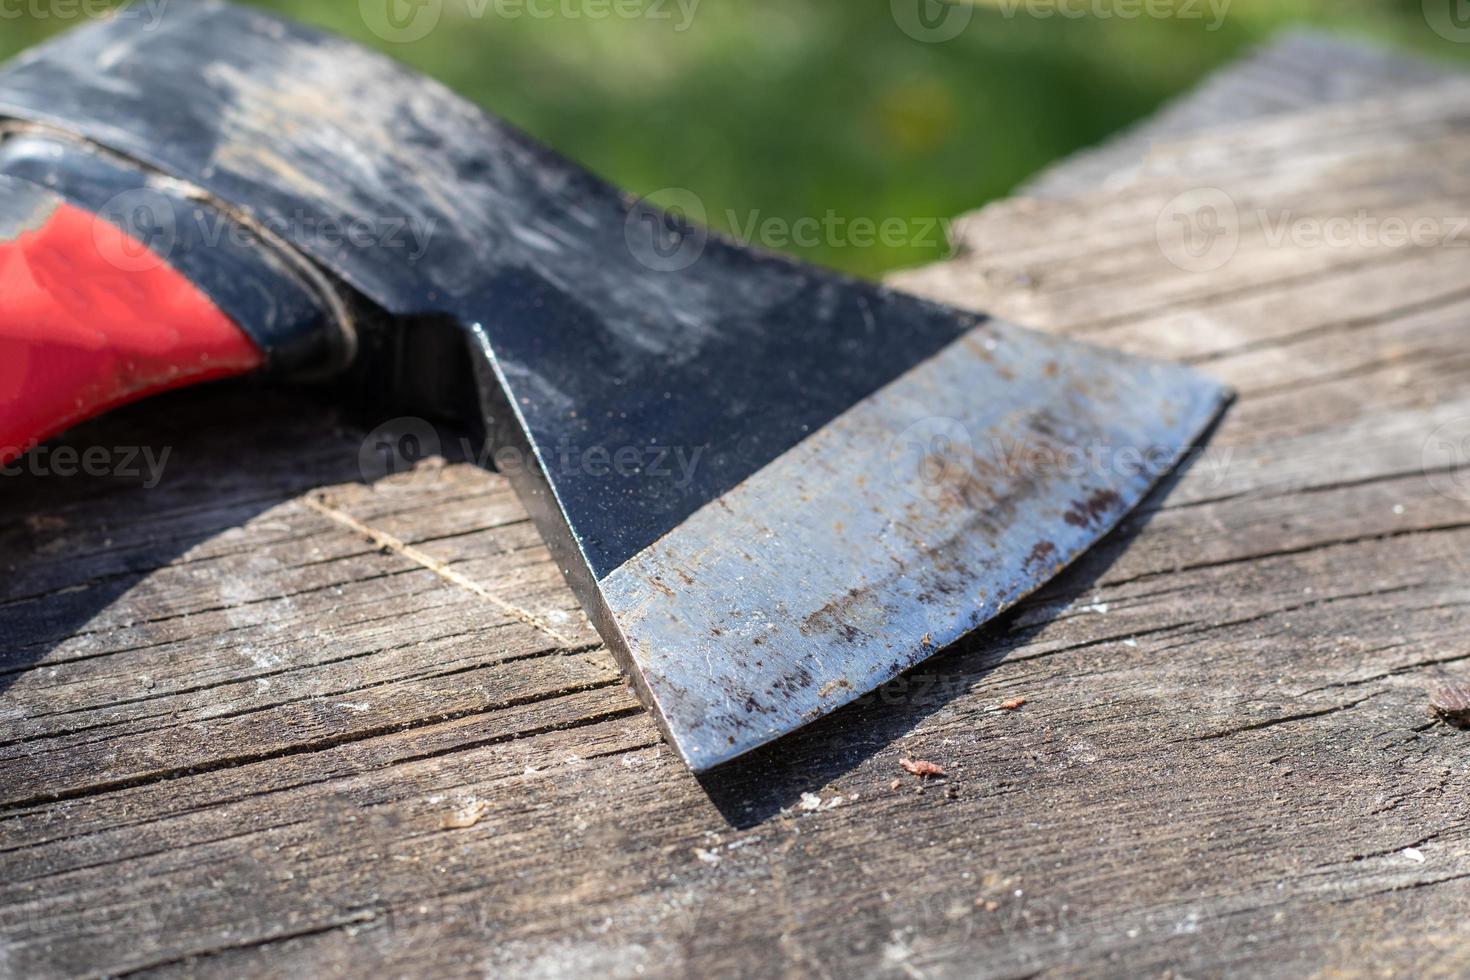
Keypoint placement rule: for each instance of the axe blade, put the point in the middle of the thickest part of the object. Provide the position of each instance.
(771, 486)
(913, 517)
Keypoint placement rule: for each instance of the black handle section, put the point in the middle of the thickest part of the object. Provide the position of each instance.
(271, 294)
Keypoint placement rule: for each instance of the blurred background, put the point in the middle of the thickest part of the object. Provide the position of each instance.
(844, 112)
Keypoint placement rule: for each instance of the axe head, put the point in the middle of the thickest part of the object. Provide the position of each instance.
(772, 487)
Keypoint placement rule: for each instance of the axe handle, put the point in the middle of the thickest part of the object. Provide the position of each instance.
(115, 285)
(91, 319)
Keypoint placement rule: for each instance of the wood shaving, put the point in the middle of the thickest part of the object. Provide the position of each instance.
(466, 816)
(1452, 703)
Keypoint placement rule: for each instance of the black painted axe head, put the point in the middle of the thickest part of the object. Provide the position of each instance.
(772, 487)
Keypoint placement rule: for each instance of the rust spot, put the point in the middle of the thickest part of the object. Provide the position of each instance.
(792, 683)
(1043, 423)
(836, 616)
(1085, 513)
(753, 706)
(1040, 554)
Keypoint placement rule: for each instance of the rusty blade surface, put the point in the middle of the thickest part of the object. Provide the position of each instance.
(920, 513)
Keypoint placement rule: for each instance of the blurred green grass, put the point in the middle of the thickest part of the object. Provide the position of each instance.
(787, 109)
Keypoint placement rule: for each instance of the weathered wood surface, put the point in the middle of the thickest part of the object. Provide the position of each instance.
(239, 709)
(1295, 72)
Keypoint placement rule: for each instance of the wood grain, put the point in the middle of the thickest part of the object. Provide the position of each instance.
(237, 709)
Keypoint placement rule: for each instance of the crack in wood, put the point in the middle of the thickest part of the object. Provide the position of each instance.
(391, 543)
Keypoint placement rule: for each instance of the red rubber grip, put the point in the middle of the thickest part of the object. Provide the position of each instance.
(91, 319)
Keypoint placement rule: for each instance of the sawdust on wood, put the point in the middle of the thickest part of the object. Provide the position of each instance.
(921, 768)
(466, 816)
(1452, 703)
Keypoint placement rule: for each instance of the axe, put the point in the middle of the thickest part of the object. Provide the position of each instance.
(224, 192)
